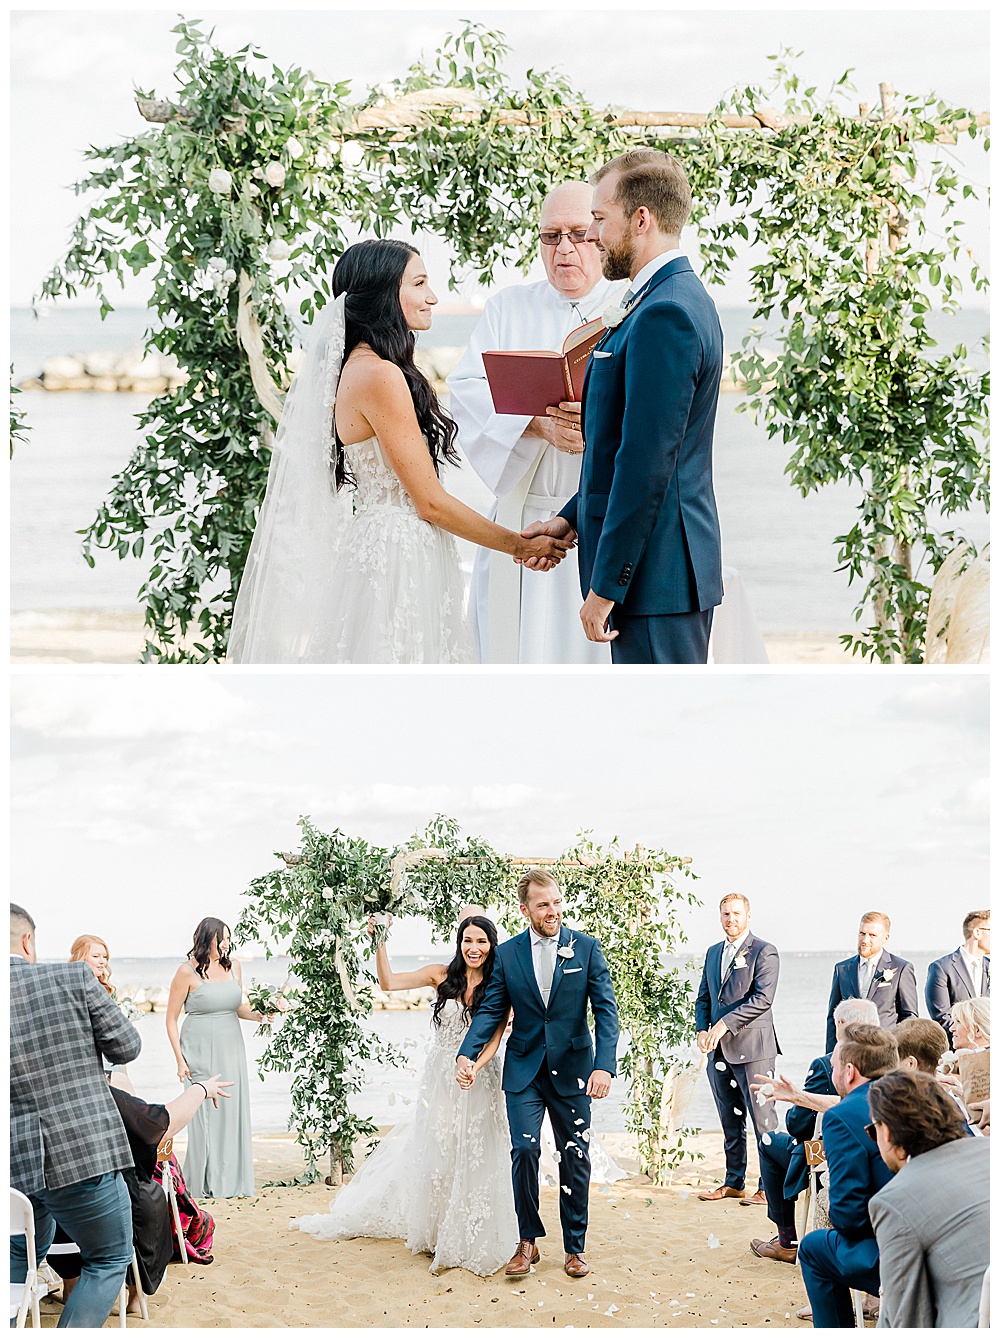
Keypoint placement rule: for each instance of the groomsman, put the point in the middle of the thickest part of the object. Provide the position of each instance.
(890, 982)
(735, 1031)
(963, 974)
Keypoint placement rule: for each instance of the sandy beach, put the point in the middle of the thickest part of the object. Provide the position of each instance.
(83, 636)
(651, 1252)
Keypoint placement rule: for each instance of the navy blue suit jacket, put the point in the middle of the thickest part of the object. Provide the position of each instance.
(948, 982)
(895, 998)
(744, 999)
(800, 1122)
(645, 511)
(558, 1034)
(857, 1171)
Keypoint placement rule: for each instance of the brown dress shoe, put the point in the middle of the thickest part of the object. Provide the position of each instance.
(723, 1192)
(753, 1200)
(523, 1257)
(576, 1266)
(770, 1249)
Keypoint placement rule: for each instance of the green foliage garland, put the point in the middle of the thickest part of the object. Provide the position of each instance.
(317, 907)
(260, 172)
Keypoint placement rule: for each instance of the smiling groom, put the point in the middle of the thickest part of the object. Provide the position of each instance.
(548, 976)
(645, 516)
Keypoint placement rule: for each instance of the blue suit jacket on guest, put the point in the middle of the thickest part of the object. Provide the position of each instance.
(645, 511)
(896, 998)
(744, 999)
(948, 982)
(857, 1171)
(800, 1122)
(557, 1034)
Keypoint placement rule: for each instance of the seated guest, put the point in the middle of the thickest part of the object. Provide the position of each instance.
(963, 974)
(970, 1025)
(68, 1146)
(783, 1166)
(932, 1221)
(921, 1044)
(846, 1256)
(152, 1232)
(874, 973)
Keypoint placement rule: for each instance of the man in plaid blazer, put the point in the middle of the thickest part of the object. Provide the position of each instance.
(67, 1141)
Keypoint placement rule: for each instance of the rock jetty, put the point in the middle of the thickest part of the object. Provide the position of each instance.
(138, 371)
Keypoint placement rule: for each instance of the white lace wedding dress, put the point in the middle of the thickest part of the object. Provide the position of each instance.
(440, 1179)
(396, 589)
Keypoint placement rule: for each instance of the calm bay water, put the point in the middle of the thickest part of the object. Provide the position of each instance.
(799, 1013)
(781, 543)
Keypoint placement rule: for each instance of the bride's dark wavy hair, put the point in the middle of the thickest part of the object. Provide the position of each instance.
(455, 982)
(370, 273)
(201, 949)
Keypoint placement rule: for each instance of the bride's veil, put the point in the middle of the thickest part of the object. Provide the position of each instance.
(285, 591)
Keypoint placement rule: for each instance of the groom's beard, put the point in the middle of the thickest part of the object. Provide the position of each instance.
(616, 261)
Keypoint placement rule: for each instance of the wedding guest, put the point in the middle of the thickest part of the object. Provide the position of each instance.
(874, 973)
(68, 1147)
(784, 1170)
(532, 465)
(208, 987)
(146, 1127)
(970, 1025)
(920, 1043)
(94, 951)
(845, 1257)
(736, 1032)
(962, 974)
(932, 1221)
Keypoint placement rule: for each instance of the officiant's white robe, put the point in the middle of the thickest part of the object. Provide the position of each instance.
(534, 617)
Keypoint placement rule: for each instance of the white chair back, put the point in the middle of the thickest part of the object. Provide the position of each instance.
(24, 1295)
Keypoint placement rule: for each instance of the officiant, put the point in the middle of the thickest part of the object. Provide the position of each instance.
(532, 465)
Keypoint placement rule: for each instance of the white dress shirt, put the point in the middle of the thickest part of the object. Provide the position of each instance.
(866, 972)
(540, 944)
(730, 951)
(974, 966)
(651, 267)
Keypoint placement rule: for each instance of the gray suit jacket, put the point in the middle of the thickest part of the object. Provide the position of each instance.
(64, 1124)
(932, 1222)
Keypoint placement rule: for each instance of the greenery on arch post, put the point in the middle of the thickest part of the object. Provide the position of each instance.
(317, 908)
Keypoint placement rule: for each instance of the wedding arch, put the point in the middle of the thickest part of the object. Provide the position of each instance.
(316, 907)
(244, 190)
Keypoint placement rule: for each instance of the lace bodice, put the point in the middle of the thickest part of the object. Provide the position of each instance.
(377, 482)
(450, 1032)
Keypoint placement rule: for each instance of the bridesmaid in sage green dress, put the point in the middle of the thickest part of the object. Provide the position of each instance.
(209, 989)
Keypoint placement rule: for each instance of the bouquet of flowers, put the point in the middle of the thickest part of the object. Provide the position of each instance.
(128, 1006)
(266, 999)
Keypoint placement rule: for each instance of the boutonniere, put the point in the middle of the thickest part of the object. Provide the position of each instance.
(613, 316)
(886, 974)
(566, 951)
(740, 962)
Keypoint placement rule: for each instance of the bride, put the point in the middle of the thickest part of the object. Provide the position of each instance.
(353, 559)
(440, 1179)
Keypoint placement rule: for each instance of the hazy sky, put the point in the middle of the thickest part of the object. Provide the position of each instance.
(73, 72)
(146, 799)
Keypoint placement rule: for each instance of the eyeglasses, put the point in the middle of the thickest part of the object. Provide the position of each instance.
(576, 236)
(870, 1131)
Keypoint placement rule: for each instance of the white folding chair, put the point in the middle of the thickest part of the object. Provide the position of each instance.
(24, 1295)
(163, 1157)
(69, 1247)
(859, 1308)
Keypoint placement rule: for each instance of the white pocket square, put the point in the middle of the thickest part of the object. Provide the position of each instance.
(571, 969)
(599, 354)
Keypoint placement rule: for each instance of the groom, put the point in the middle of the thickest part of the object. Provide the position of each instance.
(645, 515)
(548, 976)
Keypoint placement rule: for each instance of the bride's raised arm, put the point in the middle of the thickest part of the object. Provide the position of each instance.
(380, 393)
(390, 980)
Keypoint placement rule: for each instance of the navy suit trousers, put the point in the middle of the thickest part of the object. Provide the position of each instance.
(831, 1266)
(570, 1116)
(734, 1101)
(775, 1156)
(668, 638)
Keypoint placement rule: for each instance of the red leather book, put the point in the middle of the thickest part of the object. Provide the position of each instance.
(527, 381)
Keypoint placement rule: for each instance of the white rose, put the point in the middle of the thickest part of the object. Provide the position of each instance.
(352, 154)
(253, 191)
(274, 174)
(229, 276)
(294, 149)
(217, 264)
(278, 250)
(612, 317)
(220, 182)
